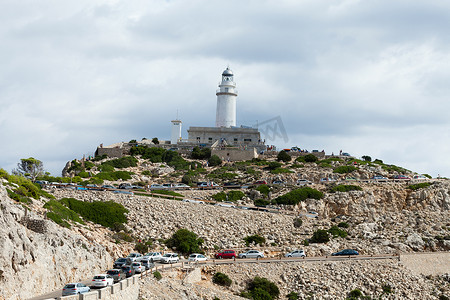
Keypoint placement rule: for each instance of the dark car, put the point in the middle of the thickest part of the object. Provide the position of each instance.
(122, 261)
(128, 270)
(225, 254)
(345, 252)
(401, 177)
(116, 274)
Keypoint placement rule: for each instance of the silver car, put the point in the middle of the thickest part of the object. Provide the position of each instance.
(75, 288)
(153, 256)
(296, 253)
(170, 258)
(251, 254)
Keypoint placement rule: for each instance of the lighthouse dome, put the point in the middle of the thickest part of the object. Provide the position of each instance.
(227, 72)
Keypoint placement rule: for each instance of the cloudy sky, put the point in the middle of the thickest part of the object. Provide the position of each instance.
(368, 77)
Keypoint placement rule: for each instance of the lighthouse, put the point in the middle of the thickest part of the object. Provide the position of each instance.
(226, 101)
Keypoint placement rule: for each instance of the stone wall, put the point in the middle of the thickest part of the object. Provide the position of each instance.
(235, 154)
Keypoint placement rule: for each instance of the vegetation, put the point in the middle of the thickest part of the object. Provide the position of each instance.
(142, 247)
(220, 197)
(261, 202)
(113, 176)
(60, 214)
(158, 155)
(157, 275)
(261, 289)
(366, 158)
(292, 296)
(103, 213)
(298, 195)
(320, 236)
(274, 165)
(214, 161)
(203, 153)
(283, 156)
(335, 231)
(309, 158)
(256, 239)
(344, 169)
(221, 279)
(417, 186)
(343, 225)
(280, 171)
(167, 192)
(21, 188)
(263, 189)
(185, 241)
(298, 222)
(124, 162)
(345, 188)
(30, 168)
(354, 294)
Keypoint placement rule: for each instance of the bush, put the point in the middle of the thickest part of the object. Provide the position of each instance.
(283, 156)
(235, 195)
(343, 225)
(298, 195)
(345, 188)
(260, 287)
(261, 202)
(106, 168)
(214, 161)
(366, 158)
(141, 248)
(221, 279)
(124, 162)
(356, 293)
(203, 153)
(221, 196)
(117, 227)
(292, 296)
(337, 232)
(114, 176)
(157, 275)
(254, 239)
(146, 173)
(263, 189)
(185, 241)
(387, 289)
(417, 186)
(103, 213)
(344, 169)
(298, 222)
(100, 157)
(310, 158)
(274, 165)
(320, 236)
(280, 171)
(61, 214)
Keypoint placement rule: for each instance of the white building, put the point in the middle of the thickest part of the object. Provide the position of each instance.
(176, 132)
(226, 101)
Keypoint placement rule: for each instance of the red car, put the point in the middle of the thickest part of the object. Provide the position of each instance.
(226, 254)
(260, 182)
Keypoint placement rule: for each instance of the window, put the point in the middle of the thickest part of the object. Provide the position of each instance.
(247, 140)
(235, 139)
(226, 90)
(198, 138)
(210, 139)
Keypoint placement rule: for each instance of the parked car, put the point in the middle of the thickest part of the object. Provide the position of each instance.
(350, 178)
(223, 204)
(207, 185)
(260, 182)
(181, 186)
(401, 177)
(196, 257)
(147, 263)
(345, 252)
(170, 258)
(225, 254)
(75, 288)
(153, 256)
(125, 186)
(326, 180)
(121, 262)
(117, 274)
(138, 267)
(135, 257)
(379, 178)
(128, 270)
(156, 186)
(231, 185)
(251, 254)
(102, 280)
(193, 201)
(278, 182)
(302, 182)
(296, 253)
(107, 186)
(419, 177)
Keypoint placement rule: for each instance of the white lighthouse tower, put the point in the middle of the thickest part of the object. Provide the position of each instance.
(226, 101)
(176, 131)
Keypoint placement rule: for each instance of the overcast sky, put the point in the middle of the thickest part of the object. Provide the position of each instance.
(368, 77)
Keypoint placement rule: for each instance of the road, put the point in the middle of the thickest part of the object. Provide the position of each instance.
(184, 264)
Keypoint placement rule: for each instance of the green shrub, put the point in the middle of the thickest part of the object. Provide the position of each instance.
(387, 289)
(166, 192)
(280, 171)
(298, 222)
(344, 169)
(105, 168)
(83, 174)
(103, 213)
(221, 279)
(185, 241)
(146, 172)
(345, 188)
(261, 202)
(274, 165)
(117, 227)
(310, 158)
(263, 189)
(114, 176)
(356, 293)
(214, 161)
(100, 157)
(203, 153)
(18, 198)
(283, 156)
(292, 296)
(260, 287)
(366, 158)
(417, 186)
(60, 214)
(141, 248)
(337, 232)
(298, 195)
(254, 239)
(343, 225)
(88, 165)
(123, 162)
(122, 236)
(235, 195)
(320, 236)
(221, 196)
(157, 275)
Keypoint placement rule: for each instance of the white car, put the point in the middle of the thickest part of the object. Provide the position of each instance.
(138, 267)
(181, 186)
(169, 258)
(302, 182)
(224, 204)
(196, 257)
(251, 254)
(147, 263)
(419, 177)
(296, 253)
(102, 280)
(193, 201)
(153, 256)
(135, 256)
(156, 186)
